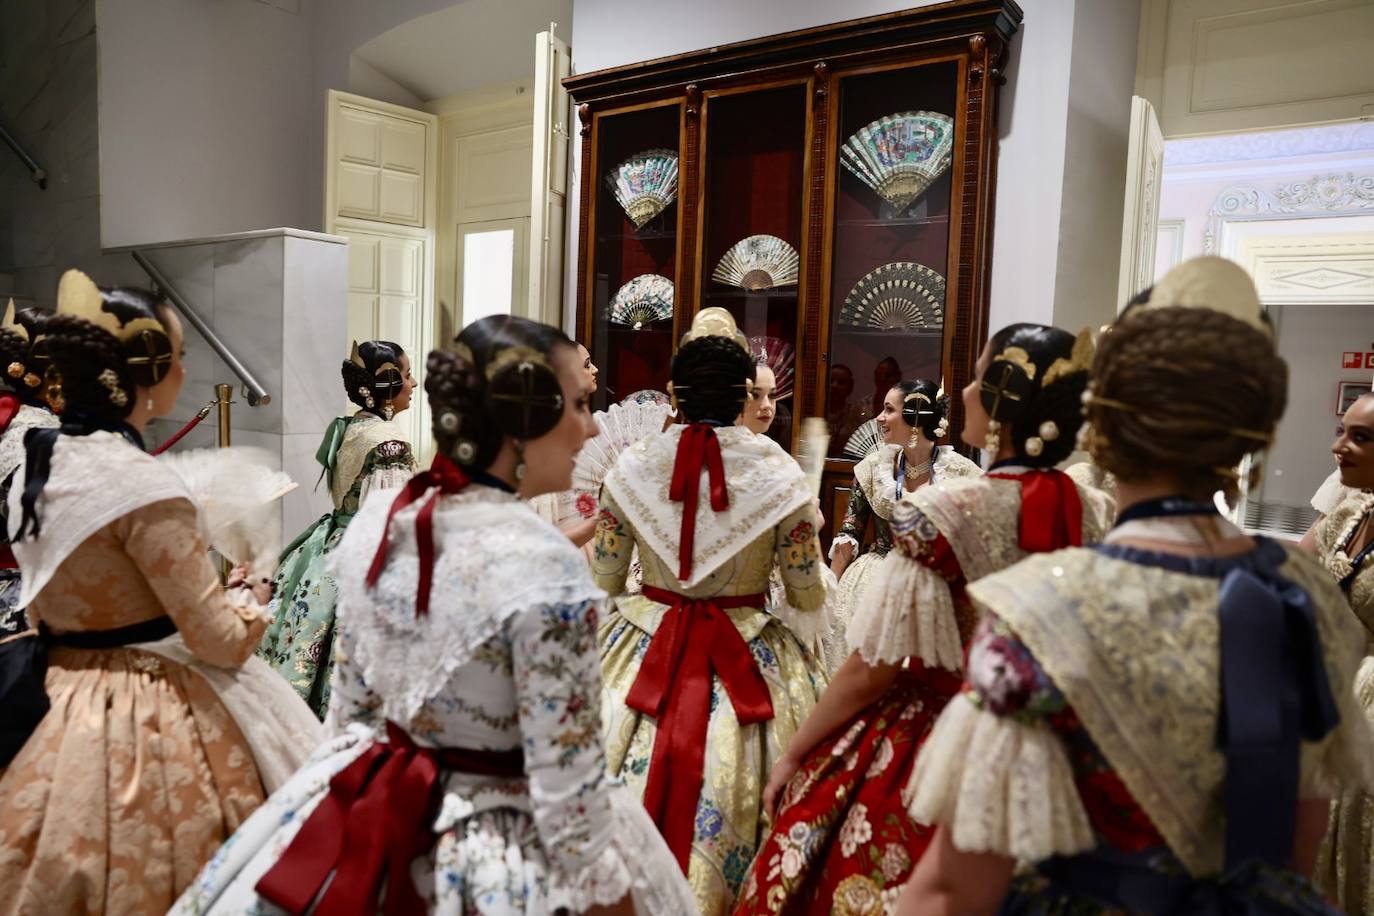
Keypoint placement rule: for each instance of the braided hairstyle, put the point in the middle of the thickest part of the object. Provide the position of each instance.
(928, 414)
(97, 374)
(1189, 377)
(23, 362)
(363, 384)
(1022, 354)
(711, 377)
(498, 380)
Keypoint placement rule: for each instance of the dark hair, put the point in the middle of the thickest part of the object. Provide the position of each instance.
(365, 383)
(498, 380)
(1188, 378)
(926, 414)
(1011, 394)
(97, 373)
(22, 364)
(710, 376)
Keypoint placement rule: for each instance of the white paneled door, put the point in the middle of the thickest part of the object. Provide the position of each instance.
(549, 186)
(381, 183)
(1140, 218)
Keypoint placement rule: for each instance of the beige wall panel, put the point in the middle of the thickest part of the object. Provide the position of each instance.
(359, 139)
(359, 189)
(402, 198)
(494, 171)
(403, 146)
(362, 264)
(401, 260)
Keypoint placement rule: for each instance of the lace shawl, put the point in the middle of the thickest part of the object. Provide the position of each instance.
(93, 481)
(12, 442)
(494, 558)
(362, 436)
(1333, 534)
(765, 485)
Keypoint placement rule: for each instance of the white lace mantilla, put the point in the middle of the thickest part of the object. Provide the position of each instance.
(493, 558)
(765, 485)
(361, 437)
(93, 480)
(12, 442)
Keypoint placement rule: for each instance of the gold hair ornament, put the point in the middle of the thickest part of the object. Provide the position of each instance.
(110, 380)
(78, 295)
(1080, 360)
(355, 356)
(1019, 357)
(717, 322)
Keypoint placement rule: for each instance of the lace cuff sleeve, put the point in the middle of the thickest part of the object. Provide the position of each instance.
(908, 608)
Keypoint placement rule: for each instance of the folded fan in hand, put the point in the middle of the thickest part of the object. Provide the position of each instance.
(234, 489)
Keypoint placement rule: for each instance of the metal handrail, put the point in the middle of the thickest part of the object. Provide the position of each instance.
(36, 172)
(252, 390)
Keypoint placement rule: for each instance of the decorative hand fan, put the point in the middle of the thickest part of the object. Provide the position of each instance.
(622, 425)
(866, 439)
(645, 184)
(645, 299)
(758, 262)
(899, 155)
(234, 489)
(815, 438)
(779, 356)
(902, 296)
(648, 396)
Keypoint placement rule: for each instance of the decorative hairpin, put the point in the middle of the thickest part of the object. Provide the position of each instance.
(78, 295)
(355, 356)
(1018, 357)
(1079, 360)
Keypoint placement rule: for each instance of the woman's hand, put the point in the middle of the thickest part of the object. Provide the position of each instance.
(841, 554)
(820, 516)
(261, 589)
(781, 775)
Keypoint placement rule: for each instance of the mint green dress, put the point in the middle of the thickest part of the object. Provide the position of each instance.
(360, 454)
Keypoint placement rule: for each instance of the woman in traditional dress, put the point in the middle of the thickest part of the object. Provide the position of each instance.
(469, 775)
(1154, 725)
(360, 454)
(137, 772)
(549, 506)
(1344, 541)
(22, 408)
(841, 840)
(913, 419)
(704, 688)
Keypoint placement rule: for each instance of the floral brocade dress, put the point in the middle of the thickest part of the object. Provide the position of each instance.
(1345, 869)
(843, 842)
(1084, 741)
(767, 493)
(360, 454)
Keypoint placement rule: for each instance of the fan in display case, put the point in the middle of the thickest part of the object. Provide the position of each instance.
(758, 262)
(645, 299)
(645, 184)
(900, 155)
(901, 296)
(865, 440)
(779, 356)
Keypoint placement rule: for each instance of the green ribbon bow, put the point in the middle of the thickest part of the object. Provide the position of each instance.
(328, 452)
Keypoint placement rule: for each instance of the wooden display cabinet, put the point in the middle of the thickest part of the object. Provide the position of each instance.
(759, 129)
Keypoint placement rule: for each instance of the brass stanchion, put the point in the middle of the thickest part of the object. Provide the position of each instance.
(223, 393)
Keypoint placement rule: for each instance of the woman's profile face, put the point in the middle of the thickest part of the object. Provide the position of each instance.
(975, 416)
(762, 406)
(896, 431)
(402, 400)
(1354, 445)
(549, 459)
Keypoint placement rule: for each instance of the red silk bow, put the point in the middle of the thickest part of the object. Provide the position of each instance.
(698, 449)
(1051, 510)
(9, 409)
(374, 821)
(443, 477)
(694, 640)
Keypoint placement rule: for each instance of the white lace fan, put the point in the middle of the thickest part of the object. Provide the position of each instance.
(645, 184)
(758, 262)
(622, 425)
(866, 439)
(234, 489)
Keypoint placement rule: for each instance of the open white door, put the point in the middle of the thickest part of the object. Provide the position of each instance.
(549, 186)
(1140, 219)
(381, 180)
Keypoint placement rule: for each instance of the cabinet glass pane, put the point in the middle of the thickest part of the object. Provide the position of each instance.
(895, 141)
(633, 299)
(755, 164)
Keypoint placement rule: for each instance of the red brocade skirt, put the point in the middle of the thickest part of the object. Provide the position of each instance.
(843, 842)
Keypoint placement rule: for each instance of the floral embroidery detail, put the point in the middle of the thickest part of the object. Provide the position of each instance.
(1003, 676)
(882, 759)
(856, 830)
(857, 896)
(611, 537)
(393, 450)
(586, 505)
(799, 550)
(896, 861)
(801, 532)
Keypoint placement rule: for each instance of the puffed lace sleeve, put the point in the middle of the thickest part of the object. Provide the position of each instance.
(1329, 494)
(613, 548)
(908, 609)
(993, 771)
(600, 842)
(389, 467)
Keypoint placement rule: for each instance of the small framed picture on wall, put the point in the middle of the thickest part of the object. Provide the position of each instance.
(1347, 393)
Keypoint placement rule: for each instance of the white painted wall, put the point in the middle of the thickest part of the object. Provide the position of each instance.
(205, 106)
(366, 80)
(1054, 121)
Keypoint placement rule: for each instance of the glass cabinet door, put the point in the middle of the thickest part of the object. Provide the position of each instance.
(751, 226)
(634, 258)
(894, 142)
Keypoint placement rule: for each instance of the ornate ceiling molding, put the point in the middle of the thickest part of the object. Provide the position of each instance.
(1320, 195)
(1271, 144)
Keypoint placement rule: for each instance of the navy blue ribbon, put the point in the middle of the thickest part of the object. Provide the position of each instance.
(38, 445)
(1165, 507)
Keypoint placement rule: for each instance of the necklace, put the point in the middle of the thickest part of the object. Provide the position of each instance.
(1174, 520)
(916, 471)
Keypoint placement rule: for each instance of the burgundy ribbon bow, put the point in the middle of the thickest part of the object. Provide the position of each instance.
(698, 449)
(443, 477)
(694, 640)
(374, 821)
(1051, 510)
(9, 409)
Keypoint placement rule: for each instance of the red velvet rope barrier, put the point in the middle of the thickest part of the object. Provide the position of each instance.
(181, 433)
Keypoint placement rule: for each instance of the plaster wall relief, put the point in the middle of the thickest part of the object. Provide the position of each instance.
(1320, 195)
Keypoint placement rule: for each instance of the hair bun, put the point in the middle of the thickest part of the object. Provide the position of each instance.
(523, 394)
(1007, 385)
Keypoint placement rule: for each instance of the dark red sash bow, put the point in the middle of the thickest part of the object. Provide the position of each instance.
(698, 449)
(374, 821)
(9, 409)
(694, 640)
(1051, 510)
(443, 477)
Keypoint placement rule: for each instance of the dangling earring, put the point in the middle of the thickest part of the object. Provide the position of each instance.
(911, 441)
(992, 441)
(519, 461)
(388, 411)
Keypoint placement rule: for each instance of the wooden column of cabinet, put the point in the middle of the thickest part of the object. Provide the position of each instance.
(757, 130)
